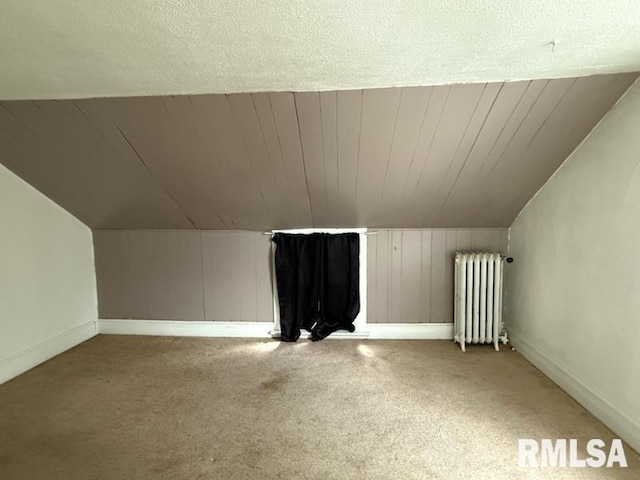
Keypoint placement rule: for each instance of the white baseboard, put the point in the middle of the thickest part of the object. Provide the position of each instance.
(20, 362)
(175, 328)
(626, 427)
(433, 331)
(410, 331)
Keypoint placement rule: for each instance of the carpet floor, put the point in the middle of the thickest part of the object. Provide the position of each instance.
(121, 407)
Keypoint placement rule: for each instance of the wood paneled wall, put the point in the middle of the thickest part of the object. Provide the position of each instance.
(184, 275)
(449, 156)
(410, 272)
(226, 276)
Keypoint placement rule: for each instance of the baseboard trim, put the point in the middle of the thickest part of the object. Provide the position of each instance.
(410, 331)
(399, 331)
(17, 364)
(175, 328)
(626, 427)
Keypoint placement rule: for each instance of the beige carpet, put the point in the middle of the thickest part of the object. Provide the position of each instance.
(186, 408)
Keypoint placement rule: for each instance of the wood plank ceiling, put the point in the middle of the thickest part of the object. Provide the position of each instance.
(446, 156)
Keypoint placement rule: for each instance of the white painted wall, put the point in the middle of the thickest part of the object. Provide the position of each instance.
(47, 278)
(573, 302)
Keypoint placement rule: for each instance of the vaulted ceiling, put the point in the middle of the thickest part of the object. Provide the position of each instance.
(444, 156)
(139, 114)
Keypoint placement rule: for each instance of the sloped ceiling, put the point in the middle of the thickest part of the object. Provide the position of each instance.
(76, 49)
(444, 156)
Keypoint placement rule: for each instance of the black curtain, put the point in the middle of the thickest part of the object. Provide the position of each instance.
(318, 277)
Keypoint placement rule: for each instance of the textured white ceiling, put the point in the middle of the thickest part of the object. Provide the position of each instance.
(71, 48)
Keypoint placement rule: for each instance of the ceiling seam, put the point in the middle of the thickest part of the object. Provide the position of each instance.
(533, 104)
(583, 141)
(264, 144)
(435, 132)
(337, 149)
(151, 175)
(504, 180)
(564, 95)
(67, 142)
(393, 137)
(504, 125)
(473, 145)
(304, 166)
(247, 156)
(155, 178)
(462, 138)
(75, 139)
(415, 147)
(355, 192)
(324, 160)
(275, 126)
(98, 132)
(209, 140)
(204, 303)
